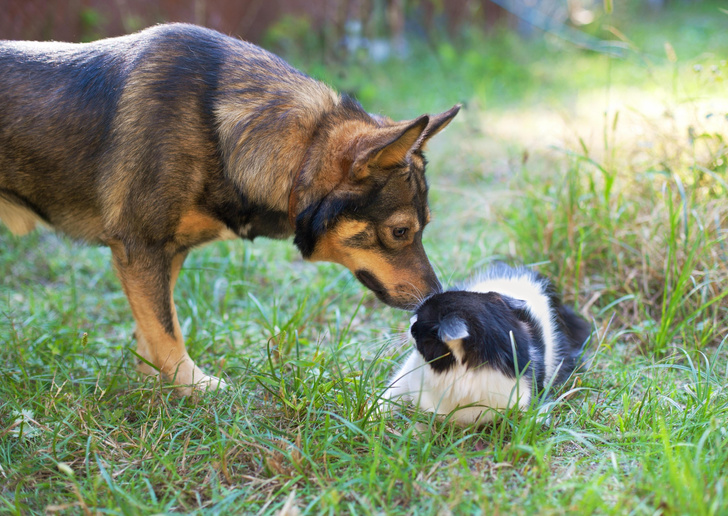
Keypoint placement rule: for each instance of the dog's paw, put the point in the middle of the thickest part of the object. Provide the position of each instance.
(207, 384)
(185, 376)
(146, 369)
(210, 383)
(198, 382)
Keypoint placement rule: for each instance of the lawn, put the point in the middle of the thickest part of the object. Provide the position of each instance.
(608, 174)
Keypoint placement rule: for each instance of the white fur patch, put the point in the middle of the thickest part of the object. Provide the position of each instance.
(446, 392)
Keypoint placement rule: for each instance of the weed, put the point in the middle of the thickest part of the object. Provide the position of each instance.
(620, 198)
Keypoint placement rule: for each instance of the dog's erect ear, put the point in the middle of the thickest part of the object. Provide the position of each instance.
(387, 147)
(437, 123)
(452, 328)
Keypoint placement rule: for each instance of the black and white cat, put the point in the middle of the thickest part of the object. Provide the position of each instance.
(502, 340)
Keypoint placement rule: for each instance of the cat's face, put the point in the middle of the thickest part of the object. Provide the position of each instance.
(472, 329)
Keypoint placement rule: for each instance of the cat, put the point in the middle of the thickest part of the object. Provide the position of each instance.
(504, 339)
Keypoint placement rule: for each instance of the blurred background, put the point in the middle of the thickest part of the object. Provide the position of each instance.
(328, 20)
(405, 56)
(486, 50)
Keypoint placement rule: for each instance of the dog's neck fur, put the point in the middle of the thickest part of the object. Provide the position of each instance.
(288, 175)
(288, 126)
(281, 129)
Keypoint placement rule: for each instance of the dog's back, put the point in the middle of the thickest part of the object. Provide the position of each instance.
(56, 112)
(139, 120)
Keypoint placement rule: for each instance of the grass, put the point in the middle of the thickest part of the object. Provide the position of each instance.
(607, 175)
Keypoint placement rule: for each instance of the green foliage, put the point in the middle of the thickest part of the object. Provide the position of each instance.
(91, 24)
(293, 35)
(624, 208)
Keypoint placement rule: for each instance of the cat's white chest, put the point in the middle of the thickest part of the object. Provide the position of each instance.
(485, 388)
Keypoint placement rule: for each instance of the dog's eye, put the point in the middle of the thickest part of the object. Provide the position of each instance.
(399, 233)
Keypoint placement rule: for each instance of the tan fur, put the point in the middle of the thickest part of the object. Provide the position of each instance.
(193, 223)
(167, 352)
(18, 219)
(386, 147)
(195, 227)
(398, 151)
(114, 193)
(86, 225)
(403, 282)
(260, 178)
(331, 248)
(418, 161)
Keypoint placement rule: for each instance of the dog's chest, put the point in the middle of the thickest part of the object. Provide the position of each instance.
(241, 218)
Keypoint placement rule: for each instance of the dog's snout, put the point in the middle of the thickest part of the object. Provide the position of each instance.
(430, 284)
(370, 281)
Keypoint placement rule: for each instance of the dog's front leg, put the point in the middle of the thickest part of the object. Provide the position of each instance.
(148, 277)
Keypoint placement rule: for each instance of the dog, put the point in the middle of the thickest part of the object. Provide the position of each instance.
(158, 142)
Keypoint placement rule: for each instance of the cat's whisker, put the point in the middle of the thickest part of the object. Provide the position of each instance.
(416, 294)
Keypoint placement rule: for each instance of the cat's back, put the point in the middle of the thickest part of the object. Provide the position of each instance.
(535, 291)
(516, 282)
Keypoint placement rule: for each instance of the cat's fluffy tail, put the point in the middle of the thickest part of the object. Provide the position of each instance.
(576, 330)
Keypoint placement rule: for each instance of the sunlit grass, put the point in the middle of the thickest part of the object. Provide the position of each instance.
(608, 176)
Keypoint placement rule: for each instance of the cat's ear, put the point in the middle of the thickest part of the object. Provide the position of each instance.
(452, 328)
(515, 304)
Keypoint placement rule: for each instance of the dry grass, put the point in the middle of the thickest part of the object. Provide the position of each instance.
(625, 211)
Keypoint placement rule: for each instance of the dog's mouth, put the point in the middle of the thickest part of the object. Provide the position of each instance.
(372, 283)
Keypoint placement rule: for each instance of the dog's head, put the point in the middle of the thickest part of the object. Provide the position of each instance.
(364, 203)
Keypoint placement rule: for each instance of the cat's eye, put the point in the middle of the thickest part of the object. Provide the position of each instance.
(399, 233)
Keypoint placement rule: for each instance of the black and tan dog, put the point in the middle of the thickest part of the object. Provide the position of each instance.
(161, 141)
